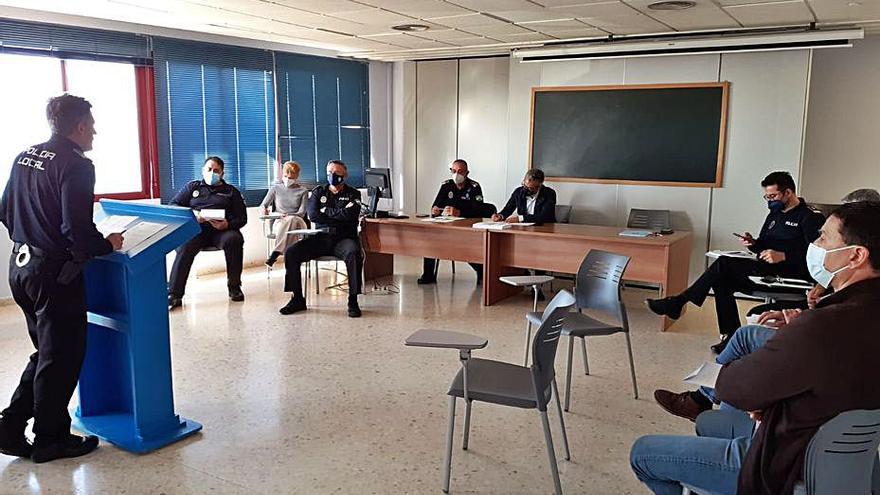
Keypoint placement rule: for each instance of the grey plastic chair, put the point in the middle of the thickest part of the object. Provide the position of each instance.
(563, 213)
(507, 384)
(655, 220)
(597, 288)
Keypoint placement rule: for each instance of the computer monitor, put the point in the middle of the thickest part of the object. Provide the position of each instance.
(378, 182)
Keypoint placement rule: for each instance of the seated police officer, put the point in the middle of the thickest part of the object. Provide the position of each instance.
(781, 250)
(335, 207)
(459, 196)
(47, 208)
(212, 192)
(531, 202)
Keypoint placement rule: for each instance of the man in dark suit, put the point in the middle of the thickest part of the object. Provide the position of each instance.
(531, 202)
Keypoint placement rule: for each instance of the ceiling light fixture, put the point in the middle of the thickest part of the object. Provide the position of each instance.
(672, 5)
(410, 27)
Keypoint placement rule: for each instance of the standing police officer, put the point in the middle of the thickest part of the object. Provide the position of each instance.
(459, 196)
(47, 208)
(335, 207)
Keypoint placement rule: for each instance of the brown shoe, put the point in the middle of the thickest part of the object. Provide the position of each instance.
(683, 405)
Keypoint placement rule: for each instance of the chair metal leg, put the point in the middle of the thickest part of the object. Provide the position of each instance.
(528, 341)
(584, 352)
(535, 304)
(568, 372)
(561, 419)
(453, 267)
(632, 366)
(467, 424)
(554, 469)
(317, 278)
(447, 461)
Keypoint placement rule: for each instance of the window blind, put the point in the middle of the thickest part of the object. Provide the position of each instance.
(214, 100)
(323, 107)
(35, 38)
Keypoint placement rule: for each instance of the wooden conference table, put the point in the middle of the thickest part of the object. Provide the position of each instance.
(554, 247)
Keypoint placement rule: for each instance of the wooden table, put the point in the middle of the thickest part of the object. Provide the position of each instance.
(554, 247)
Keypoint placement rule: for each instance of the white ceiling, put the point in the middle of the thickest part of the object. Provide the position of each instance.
(362, 28)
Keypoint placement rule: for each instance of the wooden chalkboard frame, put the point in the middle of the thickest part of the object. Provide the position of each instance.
(722, 136)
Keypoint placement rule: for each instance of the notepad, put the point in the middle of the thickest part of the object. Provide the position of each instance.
(636, 233)
(213, 214)
(135, 237)
(492, 225)
(442, 219)
(113, 224)
(704, 376)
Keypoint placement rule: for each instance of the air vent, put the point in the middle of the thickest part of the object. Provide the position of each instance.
(410, 27)
(672, 5)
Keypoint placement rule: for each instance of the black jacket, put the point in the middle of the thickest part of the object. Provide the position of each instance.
(545, 205)
(198, 195)
(791, 232)
(339, 213)
(468, 199)
(49, 201)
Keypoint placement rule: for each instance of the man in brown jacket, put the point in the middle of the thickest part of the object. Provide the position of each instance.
(821, 364)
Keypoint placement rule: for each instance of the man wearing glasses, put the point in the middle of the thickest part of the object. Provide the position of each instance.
(781, 250)
(459, 196)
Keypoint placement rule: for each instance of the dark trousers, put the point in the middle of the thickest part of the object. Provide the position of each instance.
(56, 322)
(429, 268)
(230, 241)
(346, 249)
(726, 276)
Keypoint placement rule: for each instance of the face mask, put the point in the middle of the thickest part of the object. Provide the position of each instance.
(776, 205)
(458, 178)
(529, 192)
(816, 264)
(211, 178)
(335, 179)
(288, 182)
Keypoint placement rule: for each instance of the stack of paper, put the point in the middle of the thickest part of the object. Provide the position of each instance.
(732, 254)
(636, 233)
(442, 219)
(492, 225)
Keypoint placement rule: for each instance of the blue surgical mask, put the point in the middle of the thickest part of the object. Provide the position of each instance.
(816, 264)
(211, 178)
(776, 205)
(335, 179)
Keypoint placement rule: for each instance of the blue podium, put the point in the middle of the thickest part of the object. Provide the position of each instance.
(125, 388)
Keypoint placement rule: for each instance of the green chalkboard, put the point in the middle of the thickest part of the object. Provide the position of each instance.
(642, 134)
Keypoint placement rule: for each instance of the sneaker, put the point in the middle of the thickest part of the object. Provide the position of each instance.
(14, 444)
(236, 294)
(272, 258)
(686, 405)
(668, 306)
(174, 301)
(720, 346)
(72, 446)
(354, 311)
(295, 305)
(426, 280)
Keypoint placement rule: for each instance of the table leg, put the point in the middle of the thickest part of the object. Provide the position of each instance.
(378, 265)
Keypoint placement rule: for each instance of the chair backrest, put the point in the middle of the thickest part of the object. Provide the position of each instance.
(648, 219)
(842, 454)
(563, 213)
(545, 342)
(597, 285)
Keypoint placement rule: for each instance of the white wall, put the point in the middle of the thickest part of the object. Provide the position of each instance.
(765, 132)
(842, 150)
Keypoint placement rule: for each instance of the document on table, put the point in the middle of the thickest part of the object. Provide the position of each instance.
(704, 376)
(112, 224)
(492, 225)
(717, 253)
(136, 236)
(442, 219)
(212, 214)
(788, 283)
(636, 233)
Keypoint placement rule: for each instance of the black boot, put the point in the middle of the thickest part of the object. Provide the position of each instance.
(720, 346)
(668, 306)
(272, 258)
(354, 311)
(236, 294)
(174, 301)
(295, 305)
(13, 442)
(72, 446)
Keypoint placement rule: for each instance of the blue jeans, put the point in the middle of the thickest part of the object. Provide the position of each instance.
(709, 462)
(745, 341)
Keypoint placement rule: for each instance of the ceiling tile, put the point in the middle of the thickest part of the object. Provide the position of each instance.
(555, 25)
(777, 13)
(563, 3)
(373, 16)
(320, 6)
(474, 41)
(705, 15)
(407, 41)
(422, 9)
(524, 37)
(466, 21)
(580, 33)
(846, 10)
(613, 17)
(526, 15)
(498, 29)
(727, 3)
(493, 5)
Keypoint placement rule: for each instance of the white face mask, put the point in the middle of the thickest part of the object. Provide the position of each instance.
(458, 178)
(816, 264)
(211, 178)
(288, 182)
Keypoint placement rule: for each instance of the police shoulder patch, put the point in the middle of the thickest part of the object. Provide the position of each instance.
(323, 199)
(196, 193)
(451, 195)
(479, 199)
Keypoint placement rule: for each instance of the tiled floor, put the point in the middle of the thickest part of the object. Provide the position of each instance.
(319, 403)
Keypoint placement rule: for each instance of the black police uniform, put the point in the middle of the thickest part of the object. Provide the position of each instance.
(198, 195)
(338, 213)
(469, 201)
(47, 208)
(790, 232)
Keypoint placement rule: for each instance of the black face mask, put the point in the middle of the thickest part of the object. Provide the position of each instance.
(529, 192)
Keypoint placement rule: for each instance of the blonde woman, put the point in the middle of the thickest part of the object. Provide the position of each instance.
(288, 198)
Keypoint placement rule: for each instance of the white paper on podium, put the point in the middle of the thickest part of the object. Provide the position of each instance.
(704, 376)
(136, 237)
(212, 214)
(112, 224)
(731, 254)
